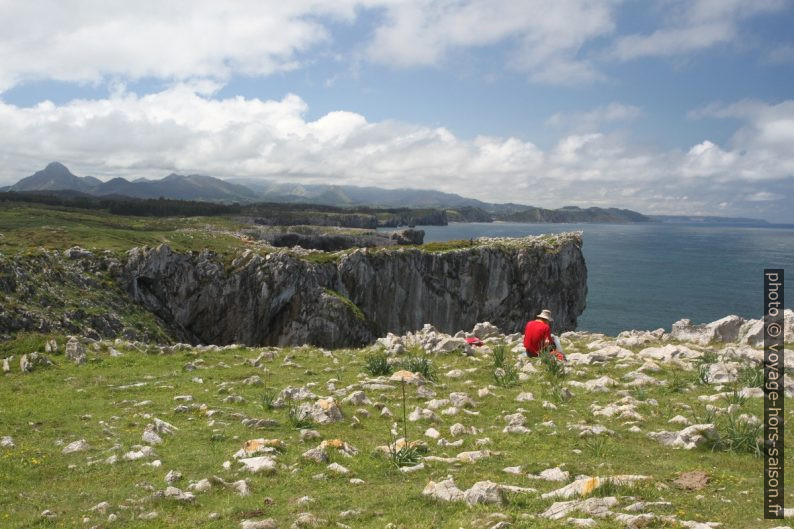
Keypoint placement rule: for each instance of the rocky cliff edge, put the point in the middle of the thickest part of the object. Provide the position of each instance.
(351, 298)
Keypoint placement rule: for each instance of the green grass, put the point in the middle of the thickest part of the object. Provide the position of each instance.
(27, 227)
(65, 403)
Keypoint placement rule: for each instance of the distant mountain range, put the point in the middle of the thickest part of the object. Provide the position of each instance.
(56, 177)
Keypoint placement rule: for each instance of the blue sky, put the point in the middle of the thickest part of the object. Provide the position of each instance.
(664, 107)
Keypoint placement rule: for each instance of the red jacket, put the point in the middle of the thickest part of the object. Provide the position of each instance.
(536, 335)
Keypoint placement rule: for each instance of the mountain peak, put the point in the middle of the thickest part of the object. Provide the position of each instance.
(57, 168)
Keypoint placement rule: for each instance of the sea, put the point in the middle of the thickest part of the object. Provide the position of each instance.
(649, 275)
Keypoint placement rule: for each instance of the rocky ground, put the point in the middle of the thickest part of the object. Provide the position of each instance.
(645, 429)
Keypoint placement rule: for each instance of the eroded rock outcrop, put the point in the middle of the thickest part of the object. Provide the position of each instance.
(281, 299)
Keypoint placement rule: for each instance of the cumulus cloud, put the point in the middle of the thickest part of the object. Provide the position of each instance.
(693, 26)
(181, 129)
(42, 39)
(557, 42)
(94, 39)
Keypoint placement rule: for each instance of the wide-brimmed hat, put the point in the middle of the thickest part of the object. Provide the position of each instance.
(546, 315)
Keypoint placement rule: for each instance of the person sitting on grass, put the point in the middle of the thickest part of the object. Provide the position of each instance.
(537, 336)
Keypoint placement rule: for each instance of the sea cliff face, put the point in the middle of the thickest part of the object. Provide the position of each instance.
(281, 299)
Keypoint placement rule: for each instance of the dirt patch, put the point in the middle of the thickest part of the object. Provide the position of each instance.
(694, 480)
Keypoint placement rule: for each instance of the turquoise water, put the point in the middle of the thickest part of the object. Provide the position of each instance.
(646, 276)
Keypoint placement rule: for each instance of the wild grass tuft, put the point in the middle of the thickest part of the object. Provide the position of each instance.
(677, 383)
(751, 377)
(417, 361)
(740, 435)
(377, 364)
(598, 446)
(295, 419)
(702, 377)
(735, 397)
(500, 353)
(506, 376)
(553, 368)
(268, 399)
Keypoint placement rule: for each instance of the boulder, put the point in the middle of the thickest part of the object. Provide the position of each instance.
(486, 330)
(263, 464)
(323, 411)
(179, 495)
(267, 523)
(593, 506)
(75, 351)
(726, 329)
(76, 446)
(688, 438)
(669, 353)
(32, 361)
(586, 485)
(485, 492)
(445, 490)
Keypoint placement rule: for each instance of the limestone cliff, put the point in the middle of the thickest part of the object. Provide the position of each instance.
(355, 297)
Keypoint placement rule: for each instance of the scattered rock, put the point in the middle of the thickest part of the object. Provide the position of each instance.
(688, 438)
(445, 490)
(32, 361)
(268, 523)
(263, 464)
(76, 446)
(75, 351)
(586, 485)
(176, 494)
(593, 506)
(323, 411)
(486, 492)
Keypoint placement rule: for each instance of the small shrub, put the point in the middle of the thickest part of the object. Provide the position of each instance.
(377, 364)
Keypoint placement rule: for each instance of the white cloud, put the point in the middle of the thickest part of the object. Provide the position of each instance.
(90, 40)
(179, 129)
(693, 26)
(95, 40)
(548, 35)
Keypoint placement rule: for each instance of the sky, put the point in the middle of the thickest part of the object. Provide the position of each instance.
(661, 106)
